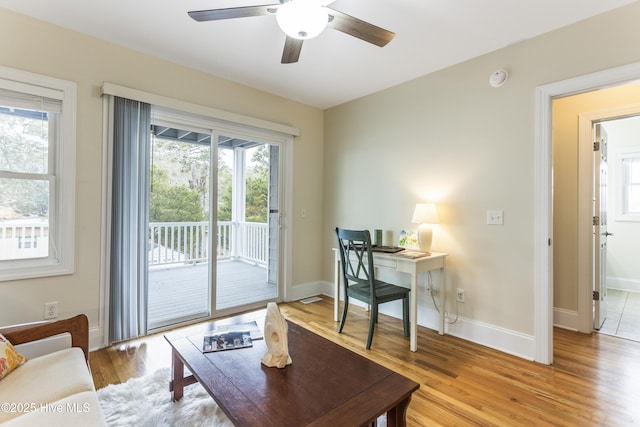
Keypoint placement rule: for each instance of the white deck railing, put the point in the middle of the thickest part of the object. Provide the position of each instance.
(187, 242)
(21, 239)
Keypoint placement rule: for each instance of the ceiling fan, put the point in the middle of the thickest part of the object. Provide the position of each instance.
(301, 20)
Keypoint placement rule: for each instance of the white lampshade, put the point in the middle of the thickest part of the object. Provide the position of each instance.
(424, 214)
(302, 19)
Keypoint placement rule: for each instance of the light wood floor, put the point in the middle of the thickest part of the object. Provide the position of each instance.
(594, 381)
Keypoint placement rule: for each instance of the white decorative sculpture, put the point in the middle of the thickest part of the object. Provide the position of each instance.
(275, 336)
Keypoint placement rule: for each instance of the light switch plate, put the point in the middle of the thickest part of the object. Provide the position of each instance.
(495, 217)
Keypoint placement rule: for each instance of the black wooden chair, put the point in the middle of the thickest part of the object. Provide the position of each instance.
(359, 282)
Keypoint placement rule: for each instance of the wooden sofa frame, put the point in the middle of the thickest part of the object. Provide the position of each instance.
(77, 326)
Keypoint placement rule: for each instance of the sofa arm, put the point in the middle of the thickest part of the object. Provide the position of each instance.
(77, 326)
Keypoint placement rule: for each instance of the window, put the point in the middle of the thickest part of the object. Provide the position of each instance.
(37, 175)
(630, 188)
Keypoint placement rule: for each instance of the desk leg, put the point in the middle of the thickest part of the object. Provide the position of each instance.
(177, 377)
(336, 289)
(413, 313)
(442, 298)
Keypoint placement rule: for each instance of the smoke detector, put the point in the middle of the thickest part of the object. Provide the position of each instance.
(498, 78)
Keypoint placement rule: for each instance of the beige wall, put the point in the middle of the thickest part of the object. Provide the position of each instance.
(565, 192)
(447, 137)
(451, 138)
(38, 47)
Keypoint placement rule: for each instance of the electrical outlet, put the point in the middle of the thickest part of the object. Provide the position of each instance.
(460, 295)
(50, 310)
(495, 217)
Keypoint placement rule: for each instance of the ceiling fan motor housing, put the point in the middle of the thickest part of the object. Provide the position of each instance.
(302, 19)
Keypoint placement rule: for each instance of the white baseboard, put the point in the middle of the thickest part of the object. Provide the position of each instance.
(505, 340)
(96, 339)
(566, 319)
(623, 284)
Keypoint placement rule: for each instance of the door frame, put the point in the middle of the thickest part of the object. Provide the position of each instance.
(543, 202)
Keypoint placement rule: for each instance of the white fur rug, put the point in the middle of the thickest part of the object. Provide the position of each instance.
(146, 402)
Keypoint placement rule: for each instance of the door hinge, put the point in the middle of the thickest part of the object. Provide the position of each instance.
(596, 295)
(596, 220)
(596, 146)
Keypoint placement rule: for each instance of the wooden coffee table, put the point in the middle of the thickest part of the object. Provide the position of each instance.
(327, 385)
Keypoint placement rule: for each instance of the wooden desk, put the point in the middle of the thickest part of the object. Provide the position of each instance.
(327, 385)
(411, 266)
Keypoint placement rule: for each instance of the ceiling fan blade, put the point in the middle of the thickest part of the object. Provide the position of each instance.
(292, 48)
(233, 12)
(358, 28)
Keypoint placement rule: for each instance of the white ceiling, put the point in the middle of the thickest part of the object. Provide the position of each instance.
(334, 68)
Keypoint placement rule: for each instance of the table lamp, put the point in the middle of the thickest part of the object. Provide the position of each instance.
(425, 214)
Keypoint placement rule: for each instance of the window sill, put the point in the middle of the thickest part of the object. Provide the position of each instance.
(34, 272)
(628, 218)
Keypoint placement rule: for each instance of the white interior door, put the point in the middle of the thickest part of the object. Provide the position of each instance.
(600, 233)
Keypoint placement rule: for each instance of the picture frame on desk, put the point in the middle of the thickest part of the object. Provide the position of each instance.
(408, 239)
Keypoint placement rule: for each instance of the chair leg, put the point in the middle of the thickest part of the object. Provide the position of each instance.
(344, 313)
(372, 324)
(405, 315)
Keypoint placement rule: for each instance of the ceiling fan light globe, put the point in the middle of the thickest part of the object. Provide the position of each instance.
(302, 19)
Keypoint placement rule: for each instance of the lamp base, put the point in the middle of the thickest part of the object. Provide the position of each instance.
(425, 236)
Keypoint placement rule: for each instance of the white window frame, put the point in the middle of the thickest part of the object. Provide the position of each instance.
(62, 193)
(623, 213)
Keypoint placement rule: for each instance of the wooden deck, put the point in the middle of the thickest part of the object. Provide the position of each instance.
(180, 292)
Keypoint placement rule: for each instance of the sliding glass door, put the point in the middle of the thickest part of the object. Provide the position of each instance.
(248, 223)
(199, 264)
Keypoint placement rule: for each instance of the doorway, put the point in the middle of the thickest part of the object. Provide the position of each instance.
(584, 233)
(545, 243)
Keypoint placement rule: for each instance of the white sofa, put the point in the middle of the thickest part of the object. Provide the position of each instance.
(55, 389)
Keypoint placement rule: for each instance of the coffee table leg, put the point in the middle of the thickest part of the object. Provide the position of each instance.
(177, 377)
(397, 417)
